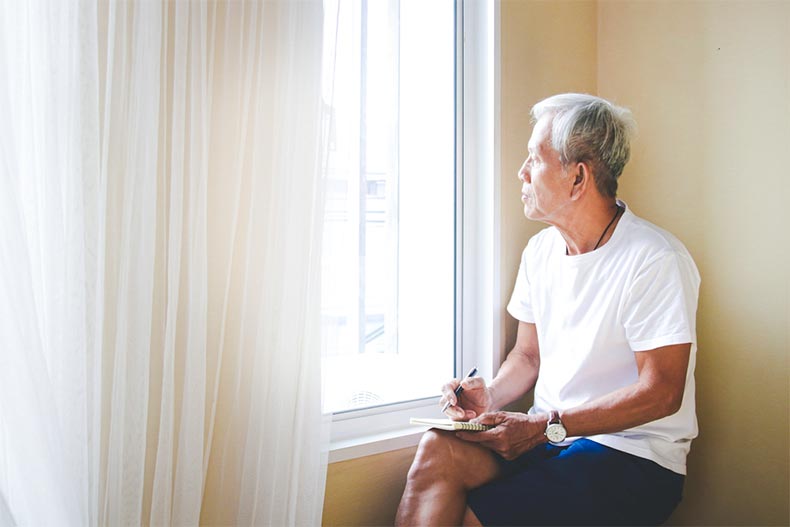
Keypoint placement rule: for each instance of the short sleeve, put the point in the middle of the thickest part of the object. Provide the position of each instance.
(660, 306)
(520, 305)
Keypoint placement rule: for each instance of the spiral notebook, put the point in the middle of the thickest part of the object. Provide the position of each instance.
(448, 424)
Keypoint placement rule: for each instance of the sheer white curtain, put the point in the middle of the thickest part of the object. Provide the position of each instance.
(160, 231)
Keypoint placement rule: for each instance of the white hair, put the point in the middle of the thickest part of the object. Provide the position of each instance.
(592, 130)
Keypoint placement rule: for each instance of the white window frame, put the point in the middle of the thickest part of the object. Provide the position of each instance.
(479, 335)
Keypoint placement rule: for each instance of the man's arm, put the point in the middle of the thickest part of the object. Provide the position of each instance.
(519, 372)
(657, 393)
(516, 376)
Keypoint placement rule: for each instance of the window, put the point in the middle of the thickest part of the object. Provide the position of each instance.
(431, 305)
(389, 275)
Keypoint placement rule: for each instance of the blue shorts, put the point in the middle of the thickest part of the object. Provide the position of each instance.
(584, 483)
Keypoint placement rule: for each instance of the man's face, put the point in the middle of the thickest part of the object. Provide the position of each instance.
(546, 185)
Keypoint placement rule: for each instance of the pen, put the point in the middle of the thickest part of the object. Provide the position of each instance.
(458, 390)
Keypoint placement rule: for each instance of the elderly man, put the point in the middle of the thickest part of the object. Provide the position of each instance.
(606, 304)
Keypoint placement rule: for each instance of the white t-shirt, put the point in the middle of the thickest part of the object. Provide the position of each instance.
(593, 311)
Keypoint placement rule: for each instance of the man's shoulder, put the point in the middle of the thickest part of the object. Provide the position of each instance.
(646, 237)
(646, 244)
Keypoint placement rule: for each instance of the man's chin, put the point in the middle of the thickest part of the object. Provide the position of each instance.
(534, 215)
(530, 213)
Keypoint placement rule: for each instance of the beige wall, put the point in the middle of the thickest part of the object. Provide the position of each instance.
(367, 490)
(538, 59)
(709, 83)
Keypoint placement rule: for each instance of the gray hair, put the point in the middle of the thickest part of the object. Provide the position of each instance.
(592, 130)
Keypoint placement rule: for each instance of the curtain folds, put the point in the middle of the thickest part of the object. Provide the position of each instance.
(160, 231)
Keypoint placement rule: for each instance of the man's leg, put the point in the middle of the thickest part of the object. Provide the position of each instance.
(584, 484)
(445, 468)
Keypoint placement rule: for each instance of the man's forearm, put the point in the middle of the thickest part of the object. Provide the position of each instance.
(657, 394)
(516, 377)
(625, 408)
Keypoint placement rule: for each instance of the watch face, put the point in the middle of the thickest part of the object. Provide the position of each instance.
(555, 433)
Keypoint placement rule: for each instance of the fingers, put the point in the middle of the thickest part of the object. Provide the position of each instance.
(512, 435)
(489, 418)
(492, 418)
(449, 400)
(450, 386)
(448, 393)
(455, 413)
(469, 383)
(473, 383)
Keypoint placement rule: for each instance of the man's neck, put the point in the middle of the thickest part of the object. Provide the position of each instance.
(590, 227)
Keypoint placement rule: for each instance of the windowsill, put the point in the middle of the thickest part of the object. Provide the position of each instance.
(377, 430)
(368, 445)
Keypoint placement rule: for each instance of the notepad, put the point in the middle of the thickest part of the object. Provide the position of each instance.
(448, 424)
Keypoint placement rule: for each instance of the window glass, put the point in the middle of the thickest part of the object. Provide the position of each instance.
(388, 302)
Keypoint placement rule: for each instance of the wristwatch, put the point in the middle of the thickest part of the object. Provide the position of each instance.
(555, 431)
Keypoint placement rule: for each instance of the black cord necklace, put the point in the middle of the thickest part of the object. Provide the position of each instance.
(616, 213)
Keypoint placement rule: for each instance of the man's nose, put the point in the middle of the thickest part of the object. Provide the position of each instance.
(523, 174)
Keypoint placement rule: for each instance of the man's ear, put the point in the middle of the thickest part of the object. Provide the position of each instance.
(582, 179)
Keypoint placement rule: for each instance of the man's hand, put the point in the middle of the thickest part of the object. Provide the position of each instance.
(514, 434)
(473, 401)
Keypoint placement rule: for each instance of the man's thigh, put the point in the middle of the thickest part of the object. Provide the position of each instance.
(584, 484)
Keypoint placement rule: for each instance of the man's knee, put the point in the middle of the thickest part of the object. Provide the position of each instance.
(443, 457)
(433, 458)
